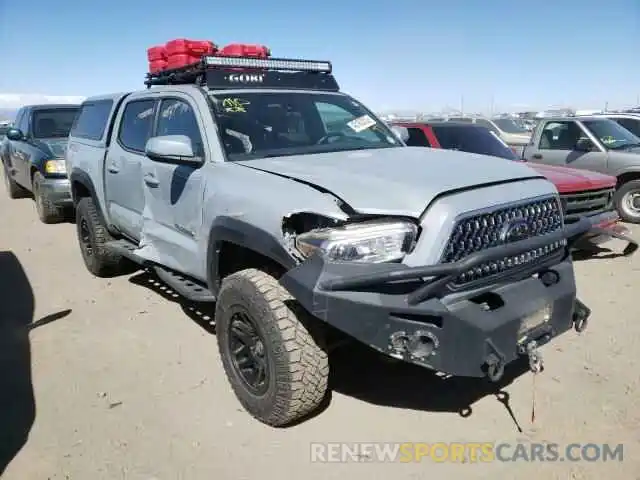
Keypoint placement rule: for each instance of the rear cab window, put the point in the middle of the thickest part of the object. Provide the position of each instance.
(92, 120)
(53, 122)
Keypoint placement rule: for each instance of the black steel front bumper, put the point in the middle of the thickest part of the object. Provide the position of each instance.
(411, 313)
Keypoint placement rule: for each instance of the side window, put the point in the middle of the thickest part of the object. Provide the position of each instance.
(18, 119)
(560, 136)
(177, 118)
(23, 122)
(335, 120)
(630, 124)
(417, 138)
(136, 124)
(486, 124)
(91, 121)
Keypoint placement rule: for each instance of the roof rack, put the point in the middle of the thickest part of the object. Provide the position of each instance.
(226, 72)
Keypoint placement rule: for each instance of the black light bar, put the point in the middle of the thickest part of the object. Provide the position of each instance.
(284, 64)
(224, 72)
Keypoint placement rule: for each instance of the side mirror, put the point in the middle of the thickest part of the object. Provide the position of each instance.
(15, 134)
(171, 149)
(401, 132)
(585, 145)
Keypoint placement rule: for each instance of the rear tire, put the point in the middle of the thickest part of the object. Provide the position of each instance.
(92, 237)
(13, 189)
(257, 323)
(627, 201)
(48, 212)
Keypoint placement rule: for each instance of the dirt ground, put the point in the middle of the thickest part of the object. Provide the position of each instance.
(127, 384)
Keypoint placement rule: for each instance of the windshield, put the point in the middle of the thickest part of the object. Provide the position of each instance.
(3, 131)
(612, 135)
(53, 123)
(264, 124)
(472, 139)
(507, 125)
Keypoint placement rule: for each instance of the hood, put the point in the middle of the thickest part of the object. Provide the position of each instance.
(394, 181)
(52, 147)
(570, 180)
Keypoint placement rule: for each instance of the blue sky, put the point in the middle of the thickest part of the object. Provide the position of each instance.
(404, 54)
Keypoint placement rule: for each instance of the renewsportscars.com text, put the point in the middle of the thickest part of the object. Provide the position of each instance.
(483, 452)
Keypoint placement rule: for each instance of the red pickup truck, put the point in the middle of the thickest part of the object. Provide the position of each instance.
(582, 192)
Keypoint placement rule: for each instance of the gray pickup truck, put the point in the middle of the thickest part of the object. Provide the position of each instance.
(592, 143)
(306, 219)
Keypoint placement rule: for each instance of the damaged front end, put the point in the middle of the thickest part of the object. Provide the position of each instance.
(351, 277)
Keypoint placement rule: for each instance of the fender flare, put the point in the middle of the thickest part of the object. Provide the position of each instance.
(83, 178)
(625, 171)
(242, 234)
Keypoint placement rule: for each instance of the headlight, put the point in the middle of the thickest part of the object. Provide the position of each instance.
(372, 242)
(55, 166)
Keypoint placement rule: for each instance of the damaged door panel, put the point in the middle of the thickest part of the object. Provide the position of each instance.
(174, 190)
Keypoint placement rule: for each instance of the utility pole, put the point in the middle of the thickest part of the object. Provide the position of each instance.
(606, 107)
(461, 104)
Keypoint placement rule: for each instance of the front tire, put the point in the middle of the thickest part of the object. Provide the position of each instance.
(92, 237)
(276, 368)
(627, 201)
(48, 212)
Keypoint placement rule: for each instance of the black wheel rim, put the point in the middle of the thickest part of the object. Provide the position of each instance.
(85, 238)
(249, 356)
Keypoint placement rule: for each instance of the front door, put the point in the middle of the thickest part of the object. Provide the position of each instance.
(559, 145)
(123, 166)
(173, 213)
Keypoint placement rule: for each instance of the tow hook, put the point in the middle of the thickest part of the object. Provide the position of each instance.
(581, 315)
(495, 368)
(536, 363)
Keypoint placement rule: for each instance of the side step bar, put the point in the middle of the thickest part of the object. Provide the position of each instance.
(188, 288)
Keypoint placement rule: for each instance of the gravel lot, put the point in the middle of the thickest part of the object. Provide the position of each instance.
(127, 384)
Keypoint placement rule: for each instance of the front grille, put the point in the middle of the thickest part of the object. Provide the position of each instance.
(586, 203)
(481, 230)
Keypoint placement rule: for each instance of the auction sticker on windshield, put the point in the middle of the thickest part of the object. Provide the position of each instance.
(361, 123)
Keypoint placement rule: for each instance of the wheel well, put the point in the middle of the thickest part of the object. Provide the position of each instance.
(79, 190)
(233, 258)
(627, 177)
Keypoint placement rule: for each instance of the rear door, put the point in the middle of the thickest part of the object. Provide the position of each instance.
(8, 152)
(123, 165)
(19, 152)
(174, 193)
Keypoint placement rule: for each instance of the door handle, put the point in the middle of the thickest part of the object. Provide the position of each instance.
(537, 156)
(151, 180)
(113, 168)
